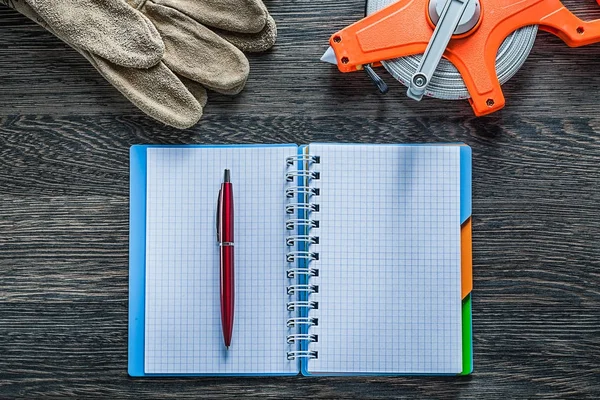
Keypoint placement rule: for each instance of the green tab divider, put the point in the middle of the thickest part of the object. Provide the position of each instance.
(467, 336)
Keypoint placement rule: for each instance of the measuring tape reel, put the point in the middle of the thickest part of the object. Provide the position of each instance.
(446, 82)
(454, 49)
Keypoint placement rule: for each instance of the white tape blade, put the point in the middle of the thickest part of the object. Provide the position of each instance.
(329, 56)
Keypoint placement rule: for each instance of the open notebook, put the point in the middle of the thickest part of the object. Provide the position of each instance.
(350, 259)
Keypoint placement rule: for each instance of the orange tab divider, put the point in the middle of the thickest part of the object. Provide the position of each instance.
(466, 258)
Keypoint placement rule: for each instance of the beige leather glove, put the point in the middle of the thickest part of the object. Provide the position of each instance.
(194, 49)
(195, 56)
(108, 28)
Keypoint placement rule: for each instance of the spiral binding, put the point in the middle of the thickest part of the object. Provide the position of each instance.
(300, 257)
(302, 321)
(311, 305)
(302, 336)
(294, 207)
(308, 239)
(310, 289)
(307, 255)
(306, 174)
(294, 354)
(292, 160)
(291, 224)
(296, 190)
(293, 272)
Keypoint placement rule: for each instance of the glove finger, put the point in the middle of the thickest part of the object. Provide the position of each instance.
(196, 90)
(26, 10)
(253, 42)
(244, 16)
(197, 53)
(109, 28)
(156, 91)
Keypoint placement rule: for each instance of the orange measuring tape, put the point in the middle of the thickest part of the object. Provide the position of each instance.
(406, 28)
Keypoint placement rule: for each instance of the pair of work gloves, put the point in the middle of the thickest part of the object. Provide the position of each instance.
(161, 54)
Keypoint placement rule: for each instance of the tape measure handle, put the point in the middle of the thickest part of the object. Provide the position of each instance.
(569, 28)
(375, 38)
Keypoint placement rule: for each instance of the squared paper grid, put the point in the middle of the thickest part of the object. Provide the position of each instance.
(182, 325)
(389, 268)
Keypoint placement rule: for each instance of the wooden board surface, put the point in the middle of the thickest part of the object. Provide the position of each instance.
(64, 140)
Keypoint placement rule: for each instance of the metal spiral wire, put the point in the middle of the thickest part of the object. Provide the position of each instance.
(300, 222)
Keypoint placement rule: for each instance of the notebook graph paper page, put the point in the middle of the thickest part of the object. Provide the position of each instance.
(183, 322)
(389, 260)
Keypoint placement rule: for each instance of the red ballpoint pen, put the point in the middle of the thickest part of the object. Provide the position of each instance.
(225, 239)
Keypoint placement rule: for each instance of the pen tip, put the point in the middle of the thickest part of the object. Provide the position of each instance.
(227, 347)
(226, 176)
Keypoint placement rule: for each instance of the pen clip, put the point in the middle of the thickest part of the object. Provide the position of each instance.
(218, 216)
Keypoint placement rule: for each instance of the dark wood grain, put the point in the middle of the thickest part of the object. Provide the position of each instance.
(64, 142)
